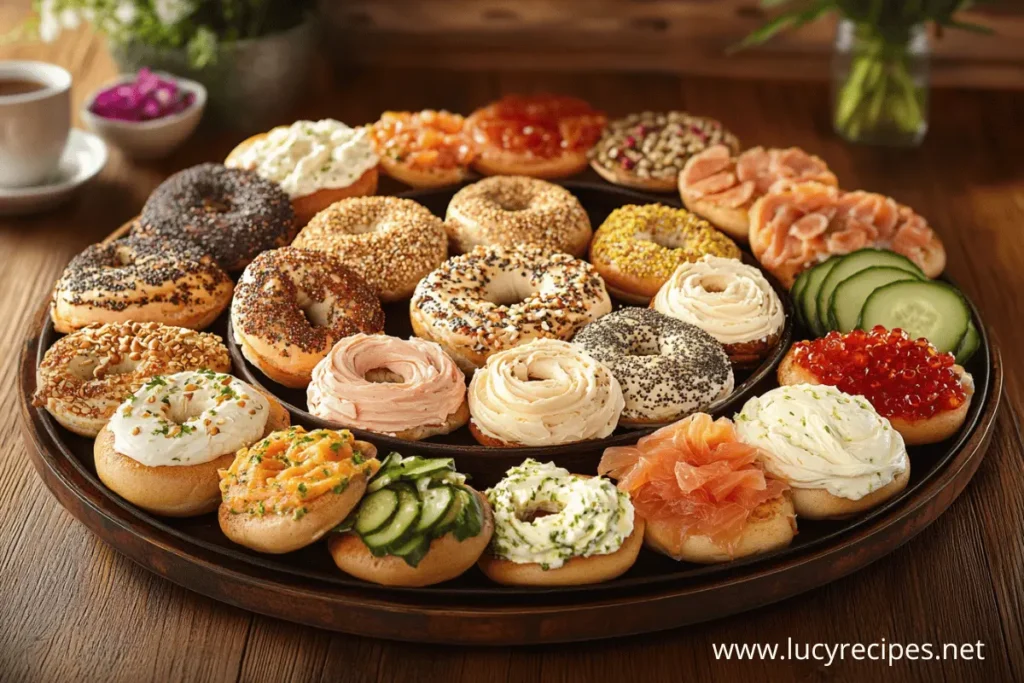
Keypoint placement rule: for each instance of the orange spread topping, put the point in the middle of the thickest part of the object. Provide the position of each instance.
(541, 125)
(289, 469)
(424, 140)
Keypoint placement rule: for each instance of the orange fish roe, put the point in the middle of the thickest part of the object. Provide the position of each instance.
(541, 125)
(426, 139)
(901, 377)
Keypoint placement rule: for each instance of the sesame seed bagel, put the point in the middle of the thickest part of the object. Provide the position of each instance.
(292, 305)
(667, 368)
(288, 490)
(232, 213)
(771, 526)
(637, 248)
(167, 280)
(171, 491)
(576, 571)
(391, 242)
(494, 298)
(308, 205)
(513, 210)
(84, 376)
(446, 558)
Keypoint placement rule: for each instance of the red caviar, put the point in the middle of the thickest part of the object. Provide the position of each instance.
(899, 376)
(541, 125)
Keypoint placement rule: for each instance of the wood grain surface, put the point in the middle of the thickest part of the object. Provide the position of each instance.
(73, 610)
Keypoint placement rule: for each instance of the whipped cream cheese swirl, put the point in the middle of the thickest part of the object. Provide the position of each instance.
(731, 301)
(420, 386)
(543, 393)
(584, 515)
(817, 437)
(309, 155)
(188, 418)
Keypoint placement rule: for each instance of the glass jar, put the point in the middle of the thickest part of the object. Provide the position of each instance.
(880, 84)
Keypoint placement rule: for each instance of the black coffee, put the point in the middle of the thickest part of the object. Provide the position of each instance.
(18, 86)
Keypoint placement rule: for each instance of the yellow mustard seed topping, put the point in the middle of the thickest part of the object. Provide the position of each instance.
(653, 240)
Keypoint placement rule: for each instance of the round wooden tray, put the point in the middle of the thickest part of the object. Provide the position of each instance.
(486, 464)
(657, 593)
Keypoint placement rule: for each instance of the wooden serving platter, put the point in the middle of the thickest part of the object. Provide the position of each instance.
(657, 593)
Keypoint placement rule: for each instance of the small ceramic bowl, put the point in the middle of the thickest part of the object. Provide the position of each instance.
(148, 139)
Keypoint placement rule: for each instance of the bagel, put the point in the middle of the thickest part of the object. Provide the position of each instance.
(171, 490)
(292, 305)
(576, 571)
(446, 559)
(771, 526)
(391, 243)
(835, 451)
(232, 213)
(511, 210)
(167, 280)
(409, 388)
(280, 519)
(354, 174)
(423, 149)
(646, 151)
(495, 298)
(526, 135)
(797, 224)
(937, 422)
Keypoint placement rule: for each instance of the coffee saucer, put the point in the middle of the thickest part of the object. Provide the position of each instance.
(84, 157)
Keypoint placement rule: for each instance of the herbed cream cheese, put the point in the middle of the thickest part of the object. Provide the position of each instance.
(188, 418)
(817, 437)
(310, 155)
(584, 516)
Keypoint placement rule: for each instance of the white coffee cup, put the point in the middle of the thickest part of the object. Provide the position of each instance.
(34, 125)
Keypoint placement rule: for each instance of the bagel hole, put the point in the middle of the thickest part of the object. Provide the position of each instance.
(215, 205)
(646, 347)
(508, 290)
(512, 204)
(383, 376)
(317, 313)
(539, 510)
(669, 241)
(363, 228)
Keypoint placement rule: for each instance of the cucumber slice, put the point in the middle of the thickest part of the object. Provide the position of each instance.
(436, 502)
(454, 513)
(426, 467)
(471, 520)
(797, 292)
(849, 296)
(412, 550)
(809, 297)
(401, 523)
(968, 345)
(933, 310)
(851, 264)
(375, 511)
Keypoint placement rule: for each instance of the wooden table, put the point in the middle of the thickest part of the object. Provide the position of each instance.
(73, 609)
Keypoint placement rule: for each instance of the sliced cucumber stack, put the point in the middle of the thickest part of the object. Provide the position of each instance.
(412, 501)
(968, 345)
(847, 299)
(933, 310)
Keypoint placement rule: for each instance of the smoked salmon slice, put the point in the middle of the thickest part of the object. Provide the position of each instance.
(695, 474)
(717, 177)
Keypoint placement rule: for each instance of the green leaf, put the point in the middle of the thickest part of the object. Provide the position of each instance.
(792, 19)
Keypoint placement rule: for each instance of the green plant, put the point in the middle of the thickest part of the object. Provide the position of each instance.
(198, 26)
(879, 91)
